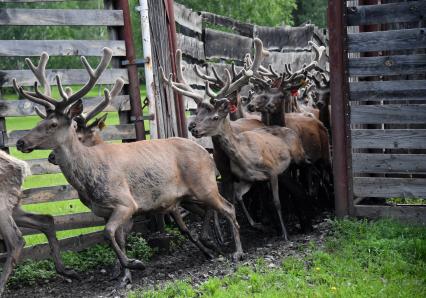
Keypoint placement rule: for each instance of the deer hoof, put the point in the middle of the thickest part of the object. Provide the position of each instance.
(126, 280)
(237, 256)
(135, 264)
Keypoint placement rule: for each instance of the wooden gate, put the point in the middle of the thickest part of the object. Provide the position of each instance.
(378, 107)
(109, 19)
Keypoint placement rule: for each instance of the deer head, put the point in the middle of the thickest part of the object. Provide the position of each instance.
(57, 122)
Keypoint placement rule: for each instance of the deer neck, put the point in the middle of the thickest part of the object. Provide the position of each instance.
(229, 142)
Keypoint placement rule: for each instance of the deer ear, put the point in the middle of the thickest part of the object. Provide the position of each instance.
(75, 109)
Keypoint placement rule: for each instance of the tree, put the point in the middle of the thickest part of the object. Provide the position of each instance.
(314, 11)
(264, 12)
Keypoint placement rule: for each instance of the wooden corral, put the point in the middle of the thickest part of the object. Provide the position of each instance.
(378, 105)
(110, 17)
(229, 41)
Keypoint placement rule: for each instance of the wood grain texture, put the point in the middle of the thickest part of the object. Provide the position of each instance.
(412, 214)
(389, 138)
(285, 39)
(49, 194)
(70, 222)
(387, 90)
(188, 18)
(19, 108)
(412, 11)
(226, 46)
(244, 29)
(61, 17)
(392, 40)
(388, 163)
(68, 76)
(113, 132)
(391, 114)
(387, 65)
(191, 47)
(26, 48)
(389, 187)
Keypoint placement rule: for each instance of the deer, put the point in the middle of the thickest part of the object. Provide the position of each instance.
(272, 98)
(256, 155)
(122, 180)
(12, 174)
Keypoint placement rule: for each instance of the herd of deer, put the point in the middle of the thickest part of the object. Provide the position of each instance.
(274, 131)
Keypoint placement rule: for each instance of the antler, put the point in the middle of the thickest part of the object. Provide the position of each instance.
(68, 98)
(86, 117)
(181, 85)
(244, 76)
(212, 79)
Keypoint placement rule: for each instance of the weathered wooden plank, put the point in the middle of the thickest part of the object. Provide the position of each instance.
(70, 222)
(389, 187)
(389, 138)
(392, 114)
(387, 90)
(113, 132)
(285, 39)
(188, 18)
(68, 76)
(191, 46)
(49, 194)
(25, 48)
(388, 163)
(77, 243)
(13, 108)
(412, 11)
(391, 40)
(226, 46)
(61, 17)
(412, 214)
(242, 28)
(295, 59)
(388, 65)
(42, 166)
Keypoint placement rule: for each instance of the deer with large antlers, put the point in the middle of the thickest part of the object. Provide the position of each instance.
(121, 180)
(12, 174)
(256, 155)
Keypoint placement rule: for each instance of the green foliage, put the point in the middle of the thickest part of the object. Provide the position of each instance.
(100, 255)
(139, 248)
(314, 11)
(265, 12)
(360, 259)
(177, 238)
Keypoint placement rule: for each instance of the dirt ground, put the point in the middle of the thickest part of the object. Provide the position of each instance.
(186, 263)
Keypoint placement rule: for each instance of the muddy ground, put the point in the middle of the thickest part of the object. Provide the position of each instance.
(186, 263)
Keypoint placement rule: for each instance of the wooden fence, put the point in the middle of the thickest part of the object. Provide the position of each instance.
(109, 17)
(383, 111)
(229, 41)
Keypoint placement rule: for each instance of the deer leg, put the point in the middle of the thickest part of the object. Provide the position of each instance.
(120, 216)
(241, 188)
(277, 203)
(185, 231)
(14, 243)
(228, 210)
(45, 224)
(121, 236)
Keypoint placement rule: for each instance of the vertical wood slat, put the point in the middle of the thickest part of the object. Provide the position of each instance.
(340, 108)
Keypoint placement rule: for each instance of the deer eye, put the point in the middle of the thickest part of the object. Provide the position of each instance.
(215, 118)
(54, 125)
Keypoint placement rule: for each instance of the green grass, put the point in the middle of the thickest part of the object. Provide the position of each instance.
(360, 259)
(54, 208)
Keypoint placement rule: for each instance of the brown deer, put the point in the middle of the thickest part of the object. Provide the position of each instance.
(256, 155)
(12, 174)
(121, 180)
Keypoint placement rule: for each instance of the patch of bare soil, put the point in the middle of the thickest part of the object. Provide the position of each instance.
(186, 263)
